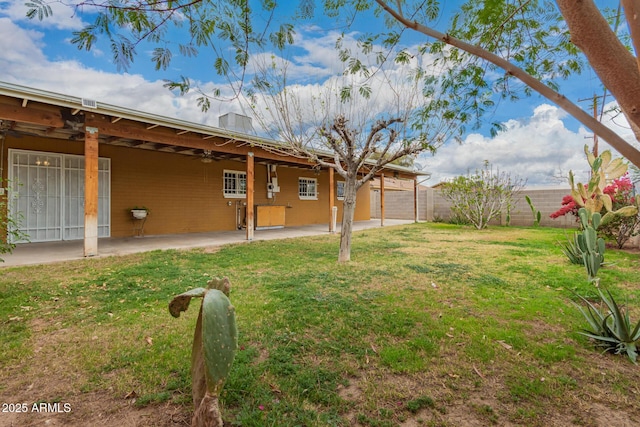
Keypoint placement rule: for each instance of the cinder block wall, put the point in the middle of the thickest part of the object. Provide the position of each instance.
(433, 206)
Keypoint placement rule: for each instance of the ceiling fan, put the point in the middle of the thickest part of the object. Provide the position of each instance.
(207, 156)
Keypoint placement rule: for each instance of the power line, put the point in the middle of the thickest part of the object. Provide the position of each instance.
(594, 100)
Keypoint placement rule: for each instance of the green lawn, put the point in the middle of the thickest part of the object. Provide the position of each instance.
(430, 324)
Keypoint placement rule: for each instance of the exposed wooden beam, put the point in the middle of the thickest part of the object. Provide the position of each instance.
(250, 189)
(382, 200)
(162, 135)
(179, 149)
(15, 111)
(415, 199)
(331, 200)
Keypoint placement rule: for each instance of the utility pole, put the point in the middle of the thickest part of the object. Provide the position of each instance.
(595, 116)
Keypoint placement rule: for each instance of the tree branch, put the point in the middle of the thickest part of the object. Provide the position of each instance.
(622, 146)
(612, 62)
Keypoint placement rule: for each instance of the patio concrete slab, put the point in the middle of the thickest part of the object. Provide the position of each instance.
(48, 252)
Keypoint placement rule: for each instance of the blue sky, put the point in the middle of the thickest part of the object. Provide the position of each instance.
(540, 143)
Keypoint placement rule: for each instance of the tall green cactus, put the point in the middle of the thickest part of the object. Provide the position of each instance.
(591, 199)
(215, 343)
(537, 215)
(591, 246)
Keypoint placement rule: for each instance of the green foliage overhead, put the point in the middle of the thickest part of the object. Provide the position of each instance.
(530, 34)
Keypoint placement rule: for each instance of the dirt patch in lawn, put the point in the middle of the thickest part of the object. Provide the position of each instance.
(46, 389)
(476, 400)
(97, 409)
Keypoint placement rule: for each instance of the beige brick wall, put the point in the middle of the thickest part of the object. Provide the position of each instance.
(186, 195)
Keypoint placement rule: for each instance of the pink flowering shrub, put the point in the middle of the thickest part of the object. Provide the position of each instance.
(620, 229)
(568, 207)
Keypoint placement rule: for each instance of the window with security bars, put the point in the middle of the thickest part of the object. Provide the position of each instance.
(235, 184)
(308, 188)
(340, 190)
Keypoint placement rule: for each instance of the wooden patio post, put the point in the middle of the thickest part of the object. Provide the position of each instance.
(415, 199)
(90, 191)
(381, 200)
(250, 186)
(332, 197)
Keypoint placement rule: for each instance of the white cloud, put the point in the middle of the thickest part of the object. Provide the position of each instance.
(63, 17)
(23, 62)
(539, 149)
(20, 48)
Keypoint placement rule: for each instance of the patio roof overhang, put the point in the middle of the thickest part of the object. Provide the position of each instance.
(28, 111)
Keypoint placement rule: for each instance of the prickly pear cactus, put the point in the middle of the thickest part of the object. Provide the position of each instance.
(214, 347)
(604, 169)
(591, 246)
(591, 199)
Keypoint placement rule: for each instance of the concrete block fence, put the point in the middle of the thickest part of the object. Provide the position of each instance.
(433, 206)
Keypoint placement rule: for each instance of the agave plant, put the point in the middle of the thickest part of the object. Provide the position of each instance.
(571, 249)
(214, 347)
(612, 331)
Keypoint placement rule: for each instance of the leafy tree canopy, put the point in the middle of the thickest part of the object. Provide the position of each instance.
(504, 47)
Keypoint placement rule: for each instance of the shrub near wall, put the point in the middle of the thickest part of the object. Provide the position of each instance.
(433, 206)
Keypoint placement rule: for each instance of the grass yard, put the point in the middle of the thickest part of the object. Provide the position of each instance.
(429, 325)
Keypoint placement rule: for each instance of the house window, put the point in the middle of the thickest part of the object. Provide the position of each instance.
(235, 184)
(340, 190)
(308, 188)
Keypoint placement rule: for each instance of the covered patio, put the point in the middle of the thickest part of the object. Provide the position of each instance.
(74, 169)
(50, 252)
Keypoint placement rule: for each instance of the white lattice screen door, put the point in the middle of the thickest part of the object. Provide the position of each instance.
(48, 195)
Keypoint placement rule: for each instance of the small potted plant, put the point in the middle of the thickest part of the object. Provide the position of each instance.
(139, 212)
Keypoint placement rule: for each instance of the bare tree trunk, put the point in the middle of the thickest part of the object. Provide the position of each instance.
(632, 12)
(348, 213)
(208, 413)
(622, 146)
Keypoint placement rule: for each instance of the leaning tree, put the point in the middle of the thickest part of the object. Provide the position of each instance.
(535, 42)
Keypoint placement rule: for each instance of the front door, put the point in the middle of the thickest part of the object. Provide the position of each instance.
(47, 195)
